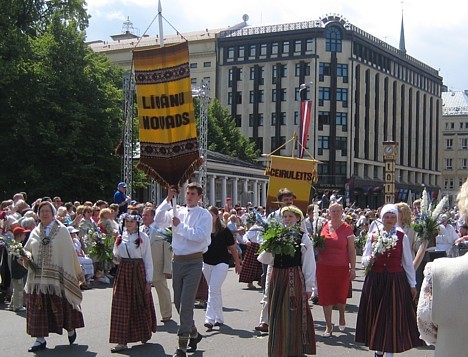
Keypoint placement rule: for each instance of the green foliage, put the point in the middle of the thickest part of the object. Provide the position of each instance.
(223, 135)
(61, 105)
(281, 239)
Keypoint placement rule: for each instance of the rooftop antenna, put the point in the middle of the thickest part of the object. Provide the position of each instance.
(402, 32)
(127, 27)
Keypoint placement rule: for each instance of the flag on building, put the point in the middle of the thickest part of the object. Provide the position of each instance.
(306, 108)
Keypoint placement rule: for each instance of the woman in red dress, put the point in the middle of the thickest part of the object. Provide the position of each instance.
(335, 267)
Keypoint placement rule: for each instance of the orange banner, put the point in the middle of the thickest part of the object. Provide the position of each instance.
(297, 175)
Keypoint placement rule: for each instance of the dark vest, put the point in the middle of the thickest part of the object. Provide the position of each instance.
(391, 259)
(284, 261)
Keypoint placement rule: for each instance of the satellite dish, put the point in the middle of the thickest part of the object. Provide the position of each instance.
(245, 17)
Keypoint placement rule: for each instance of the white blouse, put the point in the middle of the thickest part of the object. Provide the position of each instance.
(128, 249)
(427, 328)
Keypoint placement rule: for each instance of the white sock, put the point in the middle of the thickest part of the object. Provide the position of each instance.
(71, 333)
(39, 341)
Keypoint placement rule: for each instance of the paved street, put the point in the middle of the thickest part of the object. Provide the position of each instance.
(236, 338)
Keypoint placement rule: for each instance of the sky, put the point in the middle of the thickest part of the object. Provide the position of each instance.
(436, 32)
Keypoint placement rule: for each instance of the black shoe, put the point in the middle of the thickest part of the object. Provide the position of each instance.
(218, 324)
(194, 342)
(72, 338)
(208, 325)
(41, 346)
(179, 353)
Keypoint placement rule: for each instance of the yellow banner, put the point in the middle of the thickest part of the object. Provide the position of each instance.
(168, 136)
(297, 175)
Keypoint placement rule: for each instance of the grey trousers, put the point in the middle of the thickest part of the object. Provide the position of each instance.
(186, 276)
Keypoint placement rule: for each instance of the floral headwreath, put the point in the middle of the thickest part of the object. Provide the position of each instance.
(134, 217)
(293, 209)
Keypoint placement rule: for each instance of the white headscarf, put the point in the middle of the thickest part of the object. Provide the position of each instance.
(389, 208)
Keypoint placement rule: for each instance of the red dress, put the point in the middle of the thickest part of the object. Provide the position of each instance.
(333, 266)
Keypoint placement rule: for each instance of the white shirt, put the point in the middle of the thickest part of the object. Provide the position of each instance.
(254, 235)
(308, 263)
(192, 234)
(447, 237)
(128, 249)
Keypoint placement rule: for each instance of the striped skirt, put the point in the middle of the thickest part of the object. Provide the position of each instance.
(291, 328)
(386, 319)
(50, 313)
(251, 267)
(133, 317)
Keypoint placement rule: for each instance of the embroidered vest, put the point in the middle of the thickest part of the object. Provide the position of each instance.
(391, 259)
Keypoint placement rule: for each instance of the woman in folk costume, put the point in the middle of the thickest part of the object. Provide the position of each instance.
(133, 317)
(386, 319)
(53, 294)
(291, 330)
(251, 268)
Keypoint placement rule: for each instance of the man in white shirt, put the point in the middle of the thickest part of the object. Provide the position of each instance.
(162, 258)
(191, 236)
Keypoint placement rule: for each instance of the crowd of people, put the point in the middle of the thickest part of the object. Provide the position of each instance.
(51, 251)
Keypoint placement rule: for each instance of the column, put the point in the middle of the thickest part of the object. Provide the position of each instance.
(223, 190)
(245, 191)
(264, 194)
(235, 195)
(255, 193)
(212, 200)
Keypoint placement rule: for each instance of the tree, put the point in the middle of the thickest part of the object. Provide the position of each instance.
(223, 135)
(61, 109)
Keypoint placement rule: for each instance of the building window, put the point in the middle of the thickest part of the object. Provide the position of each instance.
(259, 120)
(342, 71)
(323, 119)
(252, 51)
(238, 120)
(324, 94)
(252, 73)
(251, 96)
(260, 94)
(309, 45)
(324, 70)
(464, 143)
(342, 119)
(230, 77)
(263, 49)
(275, 144)
(206, 64)
(239, 97)
(274, 49)
(449, 144)
(322, 144)
(285, 48)
(193, 81)
(241, 53)
(448, 164)
(333, 41)
(282, 119)
(230, 53)
(296, 118)
(342, 96)
(274, 95)
(340, 168)
(229, 98)
(298, 46)
(193, 65)
(341, 144)
(464, 163)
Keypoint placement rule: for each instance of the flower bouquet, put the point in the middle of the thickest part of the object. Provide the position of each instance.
(427, 223)
(382, 241)
(16, 248)
(280, 239)
(317, 239)
(360, 241)
(100, 248)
